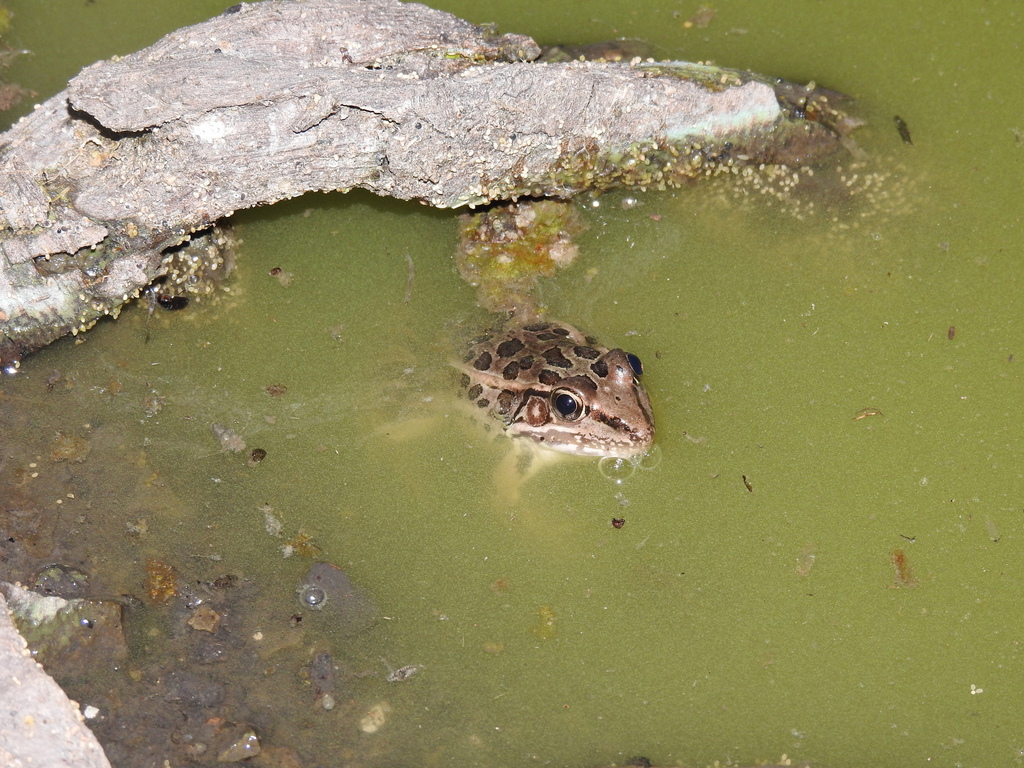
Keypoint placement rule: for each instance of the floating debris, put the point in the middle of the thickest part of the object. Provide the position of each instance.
(618, 522)
(409, 280)
(322, 678)
(402, 673)
(904, 576)
(993, 532)
(271, 523)
(805, 559)
(282, 276)
(152, 404)
(301, 544)
(864, 413)
(256, 457)
(230, 440)
(161, 581)
(204, 619)
(546, 630)
(904, 131)
(701, 19)
(375, 717)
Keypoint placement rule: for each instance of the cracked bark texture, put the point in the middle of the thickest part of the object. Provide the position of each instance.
(270, 100)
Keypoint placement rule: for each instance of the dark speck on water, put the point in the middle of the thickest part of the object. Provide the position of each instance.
(901, 126)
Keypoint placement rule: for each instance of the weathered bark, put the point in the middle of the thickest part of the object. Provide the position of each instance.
(274, 99)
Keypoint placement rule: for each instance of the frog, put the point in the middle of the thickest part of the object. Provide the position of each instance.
(549, 384)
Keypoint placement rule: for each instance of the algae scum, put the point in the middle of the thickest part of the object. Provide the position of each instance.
(826, 563)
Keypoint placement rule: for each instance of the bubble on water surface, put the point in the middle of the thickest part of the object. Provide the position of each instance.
(312, 596)
(616, 469)
(649, 459)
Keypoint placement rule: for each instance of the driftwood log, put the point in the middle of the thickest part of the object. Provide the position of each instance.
(270, 100)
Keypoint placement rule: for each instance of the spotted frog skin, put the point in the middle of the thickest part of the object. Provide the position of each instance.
(550, 383)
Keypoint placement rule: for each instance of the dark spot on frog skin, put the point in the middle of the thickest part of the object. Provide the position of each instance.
(464, 381)
(483, 362)
(510, 347)
(483, 402)
(587, 353)
(549, 378)
(511, 371)
(474, 392)
(526, 362)
(600, 368)
(535, 327)
(553, 356)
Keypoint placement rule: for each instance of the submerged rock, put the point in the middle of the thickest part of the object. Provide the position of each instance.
(63, 580)
(69, 637)
(243, 747)
(328, 588)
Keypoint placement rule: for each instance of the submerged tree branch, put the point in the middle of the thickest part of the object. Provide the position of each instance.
(274, 99)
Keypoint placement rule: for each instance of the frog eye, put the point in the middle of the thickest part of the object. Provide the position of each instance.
(635, 364)
(567, 404)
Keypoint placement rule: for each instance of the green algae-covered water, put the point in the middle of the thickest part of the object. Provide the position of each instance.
(827, 562)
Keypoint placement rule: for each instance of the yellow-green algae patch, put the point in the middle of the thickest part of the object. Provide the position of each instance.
(506, 248)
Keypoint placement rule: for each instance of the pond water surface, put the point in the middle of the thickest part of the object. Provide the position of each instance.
(828, 561)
